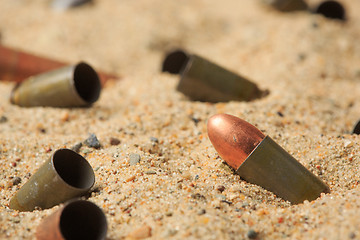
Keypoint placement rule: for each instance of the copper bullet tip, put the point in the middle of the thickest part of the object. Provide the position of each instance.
(233, 138)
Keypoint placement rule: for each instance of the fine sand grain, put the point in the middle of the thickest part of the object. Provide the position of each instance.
(181, 188)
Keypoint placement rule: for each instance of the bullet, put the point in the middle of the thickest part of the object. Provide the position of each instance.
(331, 9)
(78, 219)
(71, 86)
(202, 80)
(64, 176)
(287, 5)
(261, 161)
(16, 65)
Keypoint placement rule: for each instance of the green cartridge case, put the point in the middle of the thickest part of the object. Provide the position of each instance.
(64, 176)
(274, 169)
(71, 86)
(77, 219)
(202, 80)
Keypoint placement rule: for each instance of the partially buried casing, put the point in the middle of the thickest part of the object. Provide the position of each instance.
(63, 176)
(72, 86)
(202, 80)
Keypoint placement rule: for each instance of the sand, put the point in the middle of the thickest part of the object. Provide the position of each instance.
(181, 188)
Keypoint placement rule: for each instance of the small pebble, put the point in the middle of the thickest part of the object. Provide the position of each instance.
(149, 172)
(134, 159)
(352, 235)
(348, 143)
(202, 212)
(198, 196)
(221, 197)
(114, 141)
(3, 119)
(42, 130)
(92, 141)
(220, 188)
(154, 139)
(195, 120)
(65, 116)
(16, 181)
(252, 234)
(15, 220)
(76, 147)
(140, 233)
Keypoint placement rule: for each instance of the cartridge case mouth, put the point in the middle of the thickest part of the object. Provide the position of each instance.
(65, 175)
(77, 219)
(73, 169)
(331, 9)
(87, 82)
(175, 62)
(83, 220)
(274, 169)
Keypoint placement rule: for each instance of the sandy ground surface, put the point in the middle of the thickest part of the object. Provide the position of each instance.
(181, 189)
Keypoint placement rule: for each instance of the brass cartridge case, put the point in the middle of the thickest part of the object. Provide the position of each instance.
(72, 86)
(202, 80)
(64, 176)
(287, 5)
(274, 169)
(78, 219)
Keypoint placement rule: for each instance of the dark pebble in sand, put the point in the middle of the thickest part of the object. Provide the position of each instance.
(252, 234)
(16, 180)
(114, 141)
(76, 147)
(92, 141)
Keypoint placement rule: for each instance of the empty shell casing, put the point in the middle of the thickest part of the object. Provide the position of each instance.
(202, 80)
(287, 5)
(72, 86)
(274, 169)
(64, 176)
(78, 219)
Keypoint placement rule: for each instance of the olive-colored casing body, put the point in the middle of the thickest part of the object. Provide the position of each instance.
(202, 80)
(287, 5)
(64, 176)
(274, 169)
(72, 86)
(77, 219)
